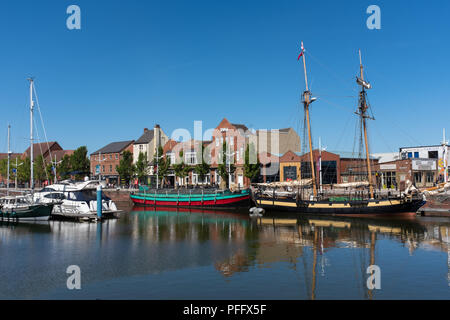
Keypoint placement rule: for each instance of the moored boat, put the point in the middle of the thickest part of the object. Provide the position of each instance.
(304, 197)
(72, 198)
(23, 208)
(193, 199)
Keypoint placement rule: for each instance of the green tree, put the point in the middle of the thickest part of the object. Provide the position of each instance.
(251, 170)
(49, 172)
(24, 171)
(203, 168)
(142, 166)
(178, 170)
(4, 168)
(80, 163)
(39, 170)
(126, 168)
(162, 165)
(64, 168)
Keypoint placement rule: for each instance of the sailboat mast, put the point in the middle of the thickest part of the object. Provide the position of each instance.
(306, 102)
(31, 136)
(362, 113)
(9, 159)
(320, 165)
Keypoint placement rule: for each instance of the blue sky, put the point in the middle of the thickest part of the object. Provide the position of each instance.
(137, 63)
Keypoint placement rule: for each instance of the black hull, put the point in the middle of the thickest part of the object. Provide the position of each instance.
(371, 207)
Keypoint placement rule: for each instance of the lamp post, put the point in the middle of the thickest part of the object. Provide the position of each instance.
(54, 164)
(16, 167)
(157, 168)
(229, 155)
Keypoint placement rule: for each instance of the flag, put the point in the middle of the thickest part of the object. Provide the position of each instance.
(301, 53)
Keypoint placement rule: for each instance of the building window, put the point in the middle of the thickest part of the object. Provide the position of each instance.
(110, 168)
(305, 170)
(140, 147)
(110, 156)
(432, 154)
(430, 177)
(217, 141)
(191, 158)
(117, 156)
(418, 177)
(103, 168)
(290, 173)
(329, 172)
(389, 179)
(171, 157)
(416, 154)
(409, 155)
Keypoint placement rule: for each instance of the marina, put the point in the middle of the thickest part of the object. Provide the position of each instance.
(224, 150)
(197, 254)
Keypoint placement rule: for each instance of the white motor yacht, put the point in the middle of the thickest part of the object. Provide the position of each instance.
(72, 197)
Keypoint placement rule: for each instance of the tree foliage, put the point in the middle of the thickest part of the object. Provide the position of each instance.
(39, 170)
(64, 168)
(142, 165)
(126, 168)
(203, 168)
(251, 169)
(162, 165)
(79, 162)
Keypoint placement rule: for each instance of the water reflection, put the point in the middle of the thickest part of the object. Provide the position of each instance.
(313, 257)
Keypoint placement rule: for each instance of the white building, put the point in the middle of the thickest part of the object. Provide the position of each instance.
(149, 142)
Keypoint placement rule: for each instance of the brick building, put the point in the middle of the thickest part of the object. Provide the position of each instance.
(394, 174)
(105, 160)
(337, 167)
(236, 136)
(48, 150)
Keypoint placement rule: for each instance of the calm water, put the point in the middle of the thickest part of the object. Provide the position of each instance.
(207, 255)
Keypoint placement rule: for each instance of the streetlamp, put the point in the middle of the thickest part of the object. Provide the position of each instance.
(100, 167)
(157, 167)
(15, 169)
(229, 155)
(54, 164)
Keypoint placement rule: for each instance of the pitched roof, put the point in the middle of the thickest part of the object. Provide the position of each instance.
(42, 148)
(146, 137)
(114, 147)
(61, 153)
(240, 126)
(169, 145)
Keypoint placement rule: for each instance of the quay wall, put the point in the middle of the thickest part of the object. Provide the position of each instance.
(121, 198)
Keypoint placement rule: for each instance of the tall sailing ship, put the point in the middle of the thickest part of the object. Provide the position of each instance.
(303, 197)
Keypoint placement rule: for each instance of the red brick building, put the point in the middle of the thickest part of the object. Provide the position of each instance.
(107, 159)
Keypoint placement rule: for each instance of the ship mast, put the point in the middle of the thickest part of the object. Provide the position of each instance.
(9, 160)
(362, 109)
(31, 136)
(307, 100)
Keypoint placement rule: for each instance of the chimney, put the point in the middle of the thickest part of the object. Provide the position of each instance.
(145, 130)
(157, 135)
